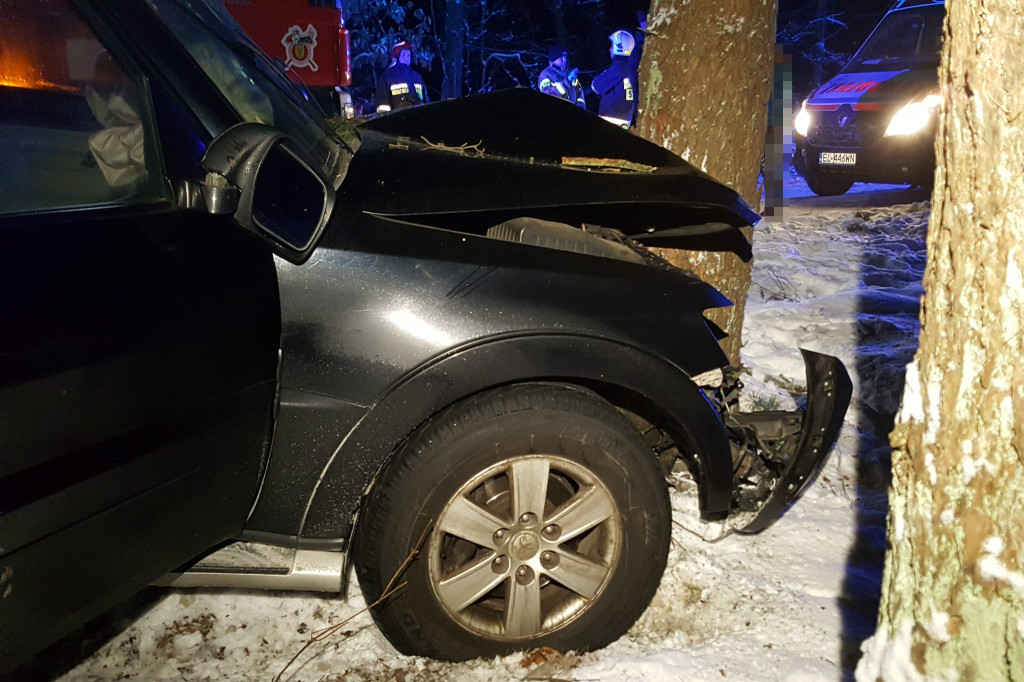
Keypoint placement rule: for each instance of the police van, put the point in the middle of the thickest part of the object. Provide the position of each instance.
(876, 120)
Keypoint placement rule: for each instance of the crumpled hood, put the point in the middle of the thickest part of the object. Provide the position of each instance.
(471, 163)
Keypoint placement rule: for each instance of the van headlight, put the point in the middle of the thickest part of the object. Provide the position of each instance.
(802, 122)
(914, 117)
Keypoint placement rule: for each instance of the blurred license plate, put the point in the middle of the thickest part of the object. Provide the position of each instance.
(837, 159)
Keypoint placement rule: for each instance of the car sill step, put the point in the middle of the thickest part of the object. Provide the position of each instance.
(250, 565)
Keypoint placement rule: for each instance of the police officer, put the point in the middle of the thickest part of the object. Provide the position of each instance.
(555, 81)
(400, 86)
(617, 85)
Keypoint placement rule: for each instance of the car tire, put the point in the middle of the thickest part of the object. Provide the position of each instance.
(496, 574)
(828, 187)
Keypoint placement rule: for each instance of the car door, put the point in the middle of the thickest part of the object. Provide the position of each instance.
(138, 343)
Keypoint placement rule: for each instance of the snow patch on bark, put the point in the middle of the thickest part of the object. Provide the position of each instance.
(991, 567)
(946, 516)
(929, 464)
(912, 406)
(993, 545)
(734, 26)
(888, 660)
(937, 629)
(662, 17)
(972, 467)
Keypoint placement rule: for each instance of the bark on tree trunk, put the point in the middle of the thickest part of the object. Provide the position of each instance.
(555, 7)
(953, 590)
(454, 42)
(705, 80)
(819, 31)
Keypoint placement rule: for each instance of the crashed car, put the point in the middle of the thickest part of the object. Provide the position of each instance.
(876, 120)
(241, 352)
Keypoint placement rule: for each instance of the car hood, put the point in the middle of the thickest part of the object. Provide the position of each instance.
(471, 163)
(868, 90)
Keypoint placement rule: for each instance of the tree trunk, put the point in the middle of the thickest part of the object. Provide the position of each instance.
(555, 7)
(454, 43)
(953, 590)
(820, 31)
(705, 81)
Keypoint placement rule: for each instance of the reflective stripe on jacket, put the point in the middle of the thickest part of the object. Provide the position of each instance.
(617, 87)
(554, 81)
(399, 87)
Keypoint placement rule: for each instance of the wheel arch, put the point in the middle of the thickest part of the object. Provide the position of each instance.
(626, 376)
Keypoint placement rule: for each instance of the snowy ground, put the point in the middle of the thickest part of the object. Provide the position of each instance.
(840, 276)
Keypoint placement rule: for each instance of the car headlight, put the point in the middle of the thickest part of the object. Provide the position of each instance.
(913, 117)
(802, 122)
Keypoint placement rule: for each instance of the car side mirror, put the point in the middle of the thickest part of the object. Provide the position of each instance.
(259, 176)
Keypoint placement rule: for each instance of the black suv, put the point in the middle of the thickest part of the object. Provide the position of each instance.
(238, 351)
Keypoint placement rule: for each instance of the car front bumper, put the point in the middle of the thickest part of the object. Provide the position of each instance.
(828, 396)
(900, 159)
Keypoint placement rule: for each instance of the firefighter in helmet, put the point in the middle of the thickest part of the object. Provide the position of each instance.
(558, 81)
(617, 85)
(400, 86)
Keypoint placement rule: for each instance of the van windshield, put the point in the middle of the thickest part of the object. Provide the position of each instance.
(910, 38)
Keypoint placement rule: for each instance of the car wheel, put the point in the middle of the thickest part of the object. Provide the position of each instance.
(550, 527)
(828, 187)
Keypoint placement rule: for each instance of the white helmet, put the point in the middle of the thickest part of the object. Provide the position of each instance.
(622, 43)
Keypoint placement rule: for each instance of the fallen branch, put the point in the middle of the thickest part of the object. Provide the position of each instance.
(464, 149)
(390, 590)
(611, 165)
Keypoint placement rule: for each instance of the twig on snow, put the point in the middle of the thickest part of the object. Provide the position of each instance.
(390, 590)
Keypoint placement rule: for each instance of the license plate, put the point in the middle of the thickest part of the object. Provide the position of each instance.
(837, 159)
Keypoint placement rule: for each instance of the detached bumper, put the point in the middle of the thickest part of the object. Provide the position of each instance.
(828, 396)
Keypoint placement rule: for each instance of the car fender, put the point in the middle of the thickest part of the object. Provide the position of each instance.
(601, 364)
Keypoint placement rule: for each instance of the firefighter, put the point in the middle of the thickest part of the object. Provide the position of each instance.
(555, 81)
(617, 85)
(400, 86)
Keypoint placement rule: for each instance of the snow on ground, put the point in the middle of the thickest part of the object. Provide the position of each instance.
(834, 275)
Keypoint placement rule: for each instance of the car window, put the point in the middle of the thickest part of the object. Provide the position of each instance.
(257, 90)
(904, 37)
(74, 131)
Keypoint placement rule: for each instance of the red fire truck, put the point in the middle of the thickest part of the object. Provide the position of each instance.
(309, 36)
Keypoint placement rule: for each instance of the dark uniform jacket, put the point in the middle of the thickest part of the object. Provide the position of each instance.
(617, 87)
(398, 87)
(554, 81)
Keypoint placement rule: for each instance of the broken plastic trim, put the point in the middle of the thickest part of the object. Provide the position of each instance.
(772, 470)
(828, 395)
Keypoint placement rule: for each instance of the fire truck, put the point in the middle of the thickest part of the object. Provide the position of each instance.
(309, 37)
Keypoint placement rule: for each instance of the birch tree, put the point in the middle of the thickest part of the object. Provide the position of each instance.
(953, 589)
(705, 80)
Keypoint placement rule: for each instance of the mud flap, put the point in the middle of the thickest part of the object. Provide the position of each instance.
(828, 395)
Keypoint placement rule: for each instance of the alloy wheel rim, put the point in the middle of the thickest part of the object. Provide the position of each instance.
(524, 547)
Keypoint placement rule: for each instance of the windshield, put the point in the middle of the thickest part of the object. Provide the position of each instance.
(905, 38)
(257, 89)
